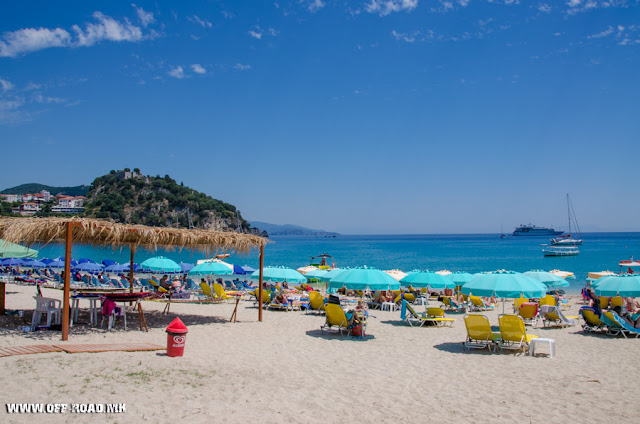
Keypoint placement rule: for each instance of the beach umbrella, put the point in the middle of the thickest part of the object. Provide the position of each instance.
(460, 278)
(396, 274)
(624, 285)
(108, 262)
(185, 267)
(280, 273)
(85, 261)
(13, 250)
(547, 278)
(127, 267)
(506, 284)
(115, 268)
(160, 264)
(32, 263)
(46, 261)
(444, 272)
(427, 279)
(247, 269)
(332, 273)
(12, 262)
(56, 263)
(316, 274)
(211, 268)
(362, 279)
(90, 267)
(237, 270)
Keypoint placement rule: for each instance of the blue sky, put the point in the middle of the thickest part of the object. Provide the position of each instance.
(372, 116)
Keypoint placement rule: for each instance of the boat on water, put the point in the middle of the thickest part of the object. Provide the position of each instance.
(531, 230)
(560, 251)
(568, 239)
(630, 264)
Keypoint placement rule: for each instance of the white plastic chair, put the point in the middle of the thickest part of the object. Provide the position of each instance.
(46, 305)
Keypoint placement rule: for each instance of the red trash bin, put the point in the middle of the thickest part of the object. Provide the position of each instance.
(176, 336)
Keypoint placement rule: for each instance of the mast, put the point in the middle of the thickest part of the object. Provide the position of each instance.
(569, 214)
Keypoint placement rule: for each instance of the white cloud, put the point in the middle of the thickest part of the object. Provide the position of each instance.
(145, 17)
(607, 32)
(107, 28)
(574, 3)
(403, 36)
(6, 85)
(198, 69)
(29, 40)
(255, 34)
(202, 22)
(385, 7)
(544, 8)
(313, 5)
(241, 67)
(177, 72)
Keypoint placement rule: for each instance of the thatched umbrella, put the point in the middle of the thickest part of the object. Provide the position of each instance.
(107, 233)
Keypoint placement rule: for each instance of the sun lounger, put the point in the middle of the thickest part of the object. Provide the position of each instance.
(437, 316)
(479, 334)
(477, 304)
(552, 315)
(450, 304)
(336, 317)
(316, 302)
(206, 290)
(616, 325)
(513, 334)
(592, 321)
(220, 293)
(412, 317)
(529, 313)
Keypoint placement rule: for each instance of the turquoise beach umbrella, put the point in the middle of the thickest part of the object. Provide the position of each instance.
(279, 273)
(210, 268)
(427, 279)
(625, 285)
(506, 284)
(160, 264)
(548, 279)
(332, 273)
(362, 279)
(460, 278)
(316, 274)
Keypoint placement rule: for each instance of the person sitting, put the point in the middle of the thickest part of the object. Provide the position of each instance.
(164, 283)
(176, 284)
(285, 286)
(382, 297)
(594, 302)
(281, 299)
(632, 305)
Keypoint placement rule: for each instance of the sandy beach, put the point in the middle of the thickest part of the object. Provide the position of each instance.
(285, 370)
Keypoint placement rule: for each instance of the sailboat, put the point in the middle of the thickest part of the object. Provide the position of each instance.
(568, 239)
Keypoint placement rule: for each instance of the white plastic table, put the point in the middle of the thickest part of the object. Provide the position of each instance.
(550, 342)
(93, 309)
(389, 305)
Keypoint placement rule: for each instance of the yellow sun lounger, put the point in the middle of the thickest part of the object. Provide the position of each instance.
(316, 302)
(551, 315)
(220, 293)
(412, 317)
(336, 317)
(513, 334)
(529, 313)
(592, 321)
(477, 304)
(437, 316)
(479, 334)
(450, 304)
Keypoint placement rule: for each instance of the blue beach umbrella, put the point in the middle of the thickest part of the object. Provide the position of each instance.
(85, 261)
(127, 267)
(12, 262)
(247, 269)
(90, 267)
(185, 267)
(362, 279)
(211, 268)
(427, 279)
(46, 261)
(625, 285)
(160, 264)
(115, 268)
(279, 273)
(56, 263)
(32, 263)
(548, 279)
(507, 284)
(108, 262)
(237, 270)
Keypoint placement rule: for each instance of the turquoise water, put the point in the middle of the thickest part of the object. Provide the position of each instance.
(471, 253)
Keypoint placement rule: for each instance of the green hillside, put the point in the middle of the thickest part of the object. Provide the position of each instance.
(37, 188)
(159, 201)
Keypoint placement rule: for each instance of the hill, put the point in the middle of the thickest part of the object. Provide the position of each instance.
(81, 190)
(290, 230)
(158, 201)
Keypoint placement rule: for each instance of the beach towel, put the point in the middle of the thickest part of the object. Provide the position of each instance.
(109, 306)
(548, 309)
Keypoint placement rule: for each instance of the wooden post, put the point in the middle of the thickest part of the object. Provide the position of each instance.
(260, 283)
(2, 291)
(67, 282)
(133, 249)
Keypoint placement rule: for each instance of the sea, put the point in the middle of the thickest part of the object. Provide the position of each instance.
(456, 252)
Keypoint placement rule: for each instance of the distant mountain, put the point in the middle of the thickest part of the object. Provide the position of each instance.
(289, 230)
(31, 188)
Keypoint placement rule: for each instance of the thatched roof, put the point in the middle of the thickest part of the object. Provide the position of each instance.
(107, 233)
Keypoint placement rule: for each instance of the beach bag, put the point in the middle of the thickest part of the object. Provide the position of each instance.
(334, 299)
(357, 330)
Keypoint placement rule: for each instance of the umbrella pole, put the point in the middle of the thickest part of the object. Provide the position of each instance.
(260, 283)
(67, 282)
(133, 249)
